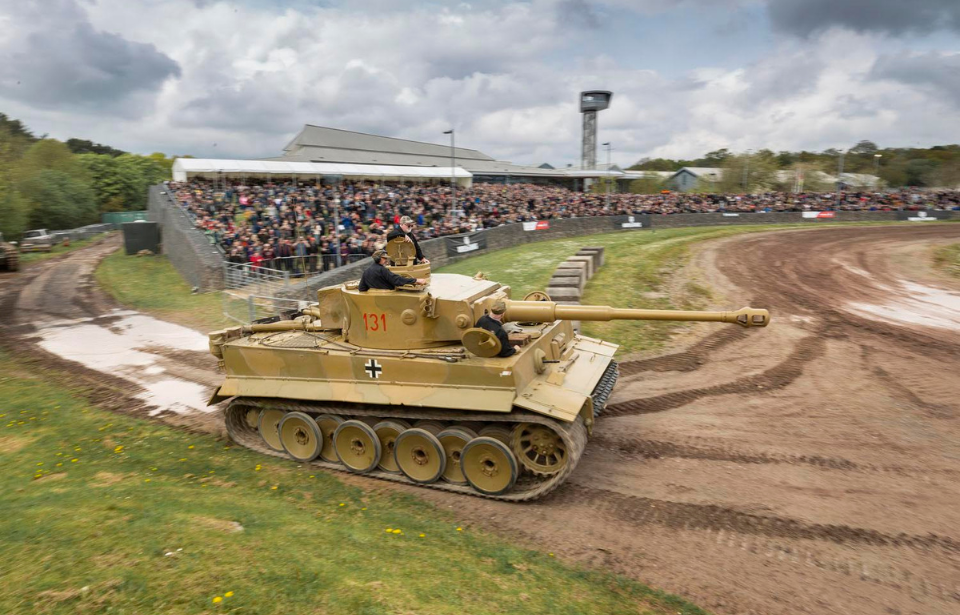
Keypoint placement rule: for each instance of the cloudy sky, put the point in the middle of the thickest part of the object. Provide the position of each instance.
(239, 78)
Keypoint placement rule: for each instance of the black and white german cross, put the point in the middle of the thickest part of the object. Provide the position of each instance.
(373, 368)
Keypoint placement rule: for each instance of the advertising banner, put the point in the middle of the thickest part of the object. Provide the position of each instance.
(923, 216)
(635, 221)
(466, 243)
(536, 225)
(818, 214)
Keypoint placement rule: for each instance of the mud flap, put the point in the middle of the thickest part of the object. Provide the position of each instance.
(216, 398)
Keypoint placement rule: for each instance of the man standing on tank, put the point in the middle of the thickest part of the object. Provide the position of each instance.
(493, 322)
(405, 229)
(378, 276)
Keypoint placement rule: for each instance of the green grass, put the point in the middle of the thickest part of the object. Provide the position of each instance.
(57, 250)
(947, 259)
(106, 513)
(638, 268)
(150, 284)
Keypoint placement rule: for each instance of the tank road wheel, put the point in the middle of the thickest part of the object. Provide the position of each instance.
(420, 455)
(358, 446)
(497, 433)
(387, 432)
(489, 466)
(328, 424)
(268, 424)
(300, 436)
(539, 448)
(433, 427)
(453, 440)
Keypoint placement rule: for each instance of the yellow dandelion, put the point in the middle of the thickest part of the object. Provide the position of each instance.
(183, 459)
(389, 530)
(257, 469)
(228, 594)
(364, 508)
(59, 454)
(146, 480)
(459, 529)
(274, 487)
(40, 463)
(397, 531)
(74, 460)
(550, 554)
(423, 535)
(312, 476)
(217, 600)
(59, 464)
(191, 446)
(342, 504)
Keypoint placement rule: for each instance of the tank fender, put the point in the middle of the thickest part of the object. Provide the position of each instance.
(216, 398)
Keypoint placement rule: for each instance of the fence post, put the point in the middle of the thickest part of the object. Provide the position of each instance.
(251, 309)
(286, 278)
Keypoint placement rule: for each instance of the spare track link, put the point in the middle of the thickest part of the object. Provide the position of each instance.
(604, 387)
(528, 486)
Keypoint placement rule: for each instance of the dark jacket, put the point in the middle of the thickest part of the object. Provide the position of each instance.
(398, 232)
(378, 276)
(491, 325)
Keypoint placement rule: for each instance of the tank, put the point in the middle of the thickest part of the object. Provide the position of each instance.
(9, 257)
(401, 385)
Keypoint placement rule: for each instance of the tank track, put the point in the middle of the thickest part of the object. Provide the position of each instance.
(528, 486)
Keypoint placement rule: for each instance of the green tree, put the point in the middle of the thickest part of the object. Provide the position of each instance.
(650, 183)
(13, 214)
(83, 146)
(57, 200)
(49, 155)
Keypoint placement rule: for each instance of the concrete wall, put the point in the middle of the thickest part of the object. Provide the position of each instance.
(513, 234)
(189, 250)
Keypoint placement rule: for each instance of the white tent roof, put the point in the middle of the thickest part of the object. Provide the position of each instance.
(186, 167)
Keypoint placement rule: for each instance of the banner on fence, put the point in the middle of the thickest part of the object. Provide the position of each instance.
(536, 225)
(637, 221)
(818, 214)
(728, 215)
(463, 244)
(923, 216)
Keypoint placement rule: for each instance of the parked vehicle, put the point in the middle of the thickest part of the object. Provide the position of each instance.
(9, 258)
(37, 240)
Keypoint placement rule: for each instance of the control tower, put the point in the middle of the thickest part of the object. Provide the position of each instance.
(591, 101)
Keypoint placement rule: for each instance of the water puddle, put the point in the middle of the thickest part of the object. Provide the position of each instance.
(116, 350)
(924, 305)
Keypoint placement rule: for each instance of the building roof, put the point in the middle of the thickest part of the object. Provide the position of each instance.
(318, 144)
(183, 168)
(314, 139)
(707, 173)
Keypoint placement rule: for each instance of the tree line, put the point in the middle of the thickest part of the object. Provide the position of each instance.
(46, 183)
(932, 167)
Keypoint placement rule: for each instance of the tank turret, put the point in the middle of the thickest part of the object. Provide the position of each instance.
(401, 384)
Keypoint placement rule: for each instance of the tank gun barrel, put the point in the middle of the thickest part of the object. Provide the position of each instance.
(548, 311)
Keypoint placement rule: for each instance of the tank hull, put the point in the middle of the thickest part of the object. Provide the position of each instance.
(529, 486)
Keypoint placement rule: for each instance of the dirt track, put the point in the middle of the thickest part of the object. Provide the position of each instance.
(810, 467)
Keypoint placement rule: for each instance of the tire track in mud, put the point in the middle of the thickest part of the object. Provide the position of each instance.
(777, 377)
(658, 449)
(639, 511)
(688, 360)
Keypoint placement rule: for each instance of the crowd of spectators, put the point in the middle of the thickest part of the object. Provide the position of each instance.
(290, 225)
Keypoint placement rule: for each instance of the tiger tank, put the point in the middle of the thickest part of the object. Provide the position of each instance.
(402, 385)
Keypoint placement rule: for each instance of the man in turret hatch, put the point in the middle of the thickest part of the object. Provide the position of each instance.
(405, 230)
(493, 322)
(378, 276)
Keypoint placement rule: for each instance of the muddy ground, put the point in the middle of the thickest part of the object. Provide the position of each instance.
(809, 467)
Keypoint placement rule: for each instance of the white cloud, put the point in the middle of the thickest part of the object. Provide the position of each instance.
(505, 74)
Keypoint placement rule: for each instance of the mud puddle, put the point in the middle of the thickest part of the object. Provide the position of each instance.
(922, 305)
(131, 347)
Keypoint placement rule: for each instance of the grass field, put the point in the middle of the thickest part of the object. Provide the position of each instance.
(33, 257)
(152, 285)
(638, 267)
(105, 513)
(947, 259)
